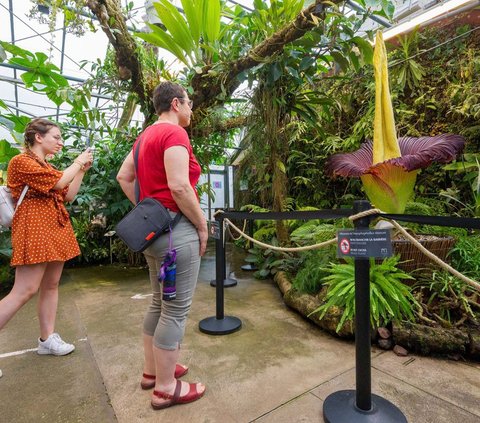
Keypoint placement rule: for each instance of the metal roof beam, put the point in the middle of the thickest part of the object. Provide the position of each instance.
(19, 81)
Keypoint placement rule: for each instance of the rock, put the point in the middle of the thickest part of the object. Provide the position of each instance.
(384, 333)
(384, 224)
(455, 357)
(385, 344)
(400, 351)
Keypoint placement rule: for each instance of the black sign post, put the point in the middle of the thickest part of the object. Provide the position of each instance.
(360, 406)
(219, 324)
(215, 233)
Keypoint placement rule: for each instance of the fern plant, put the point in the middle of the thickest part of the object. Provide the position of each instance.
(389, 297)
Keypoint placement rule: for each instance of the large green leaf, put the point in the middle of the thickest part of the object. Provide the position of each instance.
(7, 151)
(175, 24)
(211, 20)
(163, 40)
(15, 50)
(365, 48)
(192, 14)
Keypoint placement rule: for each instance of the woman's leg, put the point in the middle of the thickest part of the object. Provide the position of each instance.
(27, 281)
(48, 298)
(171, 325)
(151, 317)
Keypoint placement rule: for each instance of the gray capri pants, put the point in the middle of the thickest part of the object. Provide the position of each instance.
(165, 320)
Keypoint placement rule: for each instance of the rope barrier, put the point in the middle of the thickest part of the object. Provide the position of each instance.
(282, 249)
(417, 244)
(360, 215)
(239, 236)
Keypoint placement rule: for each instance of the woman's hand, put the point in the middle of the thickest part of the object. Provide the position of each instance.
(203, 238)
(85, 159)
(87, 166)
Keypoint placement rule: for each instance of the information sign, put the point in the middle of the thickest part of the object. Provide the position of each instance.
(214, 230)
(364, 243)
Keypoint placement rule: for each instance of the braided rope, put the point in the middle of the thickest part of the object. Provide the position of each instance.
(474, 284)
(240, 235)
(285, 249)
(430, 255)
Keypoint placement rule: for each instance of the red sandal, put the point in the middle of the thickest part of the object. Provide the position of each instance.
(179, 372)
(191, 396)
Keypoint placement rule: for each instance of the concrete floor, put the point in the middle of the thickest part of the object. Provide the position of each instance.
(277, 368)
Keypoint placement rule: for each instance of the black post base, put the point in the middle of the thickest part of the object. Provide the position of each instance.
(227, 283)
(340, 407)
(214, 326)
(249, 267)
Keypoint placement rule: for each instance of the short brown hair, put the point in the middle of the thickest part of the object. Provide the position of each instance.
(164, 93)
(37, 126)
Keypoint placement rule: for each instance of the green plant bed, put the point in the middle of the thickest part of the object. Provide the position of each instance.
(418, 336)
(7, 276)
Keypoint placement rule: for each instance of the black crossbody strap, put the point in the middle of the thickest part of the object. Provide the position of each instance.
(135, 159)
(137, 186)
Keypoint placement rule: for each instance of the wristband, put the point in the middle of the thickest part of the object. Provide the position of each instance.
(79, 163)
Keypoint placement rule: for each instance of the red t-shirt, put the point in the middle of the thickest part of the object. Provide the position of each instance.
(151, 173)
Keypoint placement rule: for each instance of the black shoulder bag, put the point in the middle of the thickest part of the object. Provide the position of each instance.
(146, 221)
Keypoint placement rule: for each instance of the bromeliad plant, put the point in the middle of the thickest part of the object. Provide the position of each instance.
(388, 167)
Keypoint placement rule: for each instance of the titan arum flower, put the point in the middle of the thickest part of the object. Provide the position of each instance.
(388, 167)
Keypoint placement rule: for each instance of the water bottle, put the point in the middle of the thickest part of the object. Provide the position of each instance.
(167, 276)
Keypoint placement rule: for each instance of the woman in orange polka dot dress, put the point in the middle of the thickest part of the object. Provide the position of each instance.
(42, 235)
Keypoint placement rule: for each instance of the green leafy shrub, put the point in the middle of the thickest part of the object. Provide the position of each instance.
(7, 273)
(389, 298)
(465, 255)
(313, 231)
(446, 299)
(309, 277)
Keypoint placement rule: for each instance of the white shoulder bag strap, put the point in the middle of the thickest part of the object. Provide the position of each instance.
(22, 196)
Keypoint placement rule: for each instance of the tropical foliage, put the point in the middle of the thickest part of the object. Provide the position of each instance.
(310, 95)
(390, 298)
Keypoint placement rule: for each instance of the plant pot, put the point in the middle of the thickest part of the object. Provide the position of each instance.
(412, 259)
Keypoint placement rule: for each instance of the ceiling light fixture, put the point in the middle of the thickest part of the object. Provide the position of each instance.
(427, 16)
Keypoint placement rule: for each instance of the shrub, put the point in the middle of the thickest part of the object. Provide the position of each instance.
(309, 278)
(389, 298)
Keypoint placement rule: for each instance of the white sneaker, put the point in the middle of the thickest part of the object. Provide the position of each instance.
(54, 345)
(1, 374)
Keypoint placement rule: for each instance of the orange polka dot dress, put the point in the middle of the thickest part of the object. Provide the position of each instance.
(41, 228)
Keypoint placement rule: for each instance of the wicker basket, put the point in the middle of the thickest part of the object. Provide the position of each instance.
(411, 258)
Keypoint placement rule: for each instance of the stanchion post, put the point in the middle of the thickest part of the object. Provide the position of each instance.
(220, 324)
(226, 282)
(362, 318)
(220, 269)
(360, 406)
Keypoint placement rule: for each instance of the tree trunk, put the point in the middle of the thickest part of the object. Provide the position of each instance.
(206, 87)
(109, 14)
(429, 340)
(306, 305)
